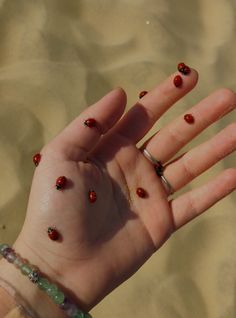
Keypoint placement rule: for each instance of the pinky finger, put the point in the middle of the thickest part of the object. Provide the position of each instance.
(193, 203)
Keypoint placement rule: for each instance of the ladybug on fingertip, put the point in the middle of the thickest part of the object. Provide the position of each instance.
(36, 159)
(178, 81)
(184, 69)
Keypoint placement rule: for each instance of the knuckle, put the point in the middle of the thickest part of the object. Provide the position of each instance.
(151, 114)
(189, 173)
(230, 175)
(175, 137)
(191, 205)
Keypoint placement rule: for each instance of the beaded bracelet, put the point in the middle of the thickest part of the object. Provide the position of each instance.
(58, 297)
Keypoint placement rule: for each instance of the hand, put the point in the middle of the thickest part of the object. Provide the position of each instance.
(105, 242)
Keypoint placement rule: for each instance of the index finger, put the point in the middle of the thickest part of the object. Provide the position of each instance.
(80, 137)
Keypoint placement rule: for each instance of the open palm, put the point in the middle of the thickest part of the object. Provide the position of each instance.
(103, 243)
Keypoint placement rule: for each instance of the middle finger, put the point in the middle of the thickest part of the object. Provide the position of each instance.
(143, 115)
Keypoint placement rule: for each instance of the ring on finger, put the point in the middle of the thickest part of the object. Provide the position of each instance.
(157, 163)
(159, 168)
(167, 185)
(151, 158)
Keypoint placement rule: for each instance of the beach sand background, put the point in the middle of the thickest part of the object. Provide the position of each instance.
(57, 57)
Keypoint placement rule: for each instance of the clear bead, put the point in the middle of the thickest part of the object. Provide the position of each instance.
(11, 257)
(6, 251)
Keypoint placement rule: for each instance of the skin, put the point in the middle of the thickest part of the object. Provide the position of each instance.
(102, 244)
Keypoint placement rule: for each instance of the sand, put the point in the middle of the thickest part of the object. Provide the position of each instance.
(57, 57)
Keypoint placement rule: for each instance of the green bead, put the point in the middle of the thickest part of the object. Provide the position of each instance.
(3, 246)
(59, 297)
(81, 314)
(52, 290)
(25, 269)
(18, 262)
(43, 283)
(78, 314)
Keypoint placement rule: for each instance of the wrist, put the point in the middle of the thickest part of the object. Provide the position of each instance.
(82, 290)
(45, 263)
(39, 286)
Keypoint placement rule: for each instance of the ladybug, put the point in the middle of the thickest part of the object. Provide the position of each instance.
(36, 159)
(181, 67)
(61, 182)
(189, 118)
(178, 81)
(92, 196)
(141, 192)
(184, 69)
(143, 93)
(53, 234)
(90, 122)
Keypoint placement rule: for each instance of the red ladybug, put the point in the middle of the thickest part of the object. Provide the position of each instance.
(184, 69)
(53, 234)
(61, 182)
(90, 122)
(92, 196)
(181, 67)
(189, 118)
(178, 81)
(143, 93)
(141, 192)
(36, 159)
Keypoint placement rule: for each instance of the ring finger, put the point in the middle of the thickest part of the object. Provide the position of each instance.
(194, 162)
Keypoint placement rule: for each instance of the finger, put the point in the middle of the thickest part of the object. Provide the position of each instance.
(191, 204)
(178, 133)
(77, 139)
(194, 162)
(143, 115)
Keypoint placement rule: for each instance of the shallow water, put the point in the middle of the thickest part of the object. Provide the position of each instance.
(57, 57)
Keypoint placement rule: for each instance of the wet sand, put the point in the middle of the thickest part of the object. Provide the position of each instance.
(57, 57)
